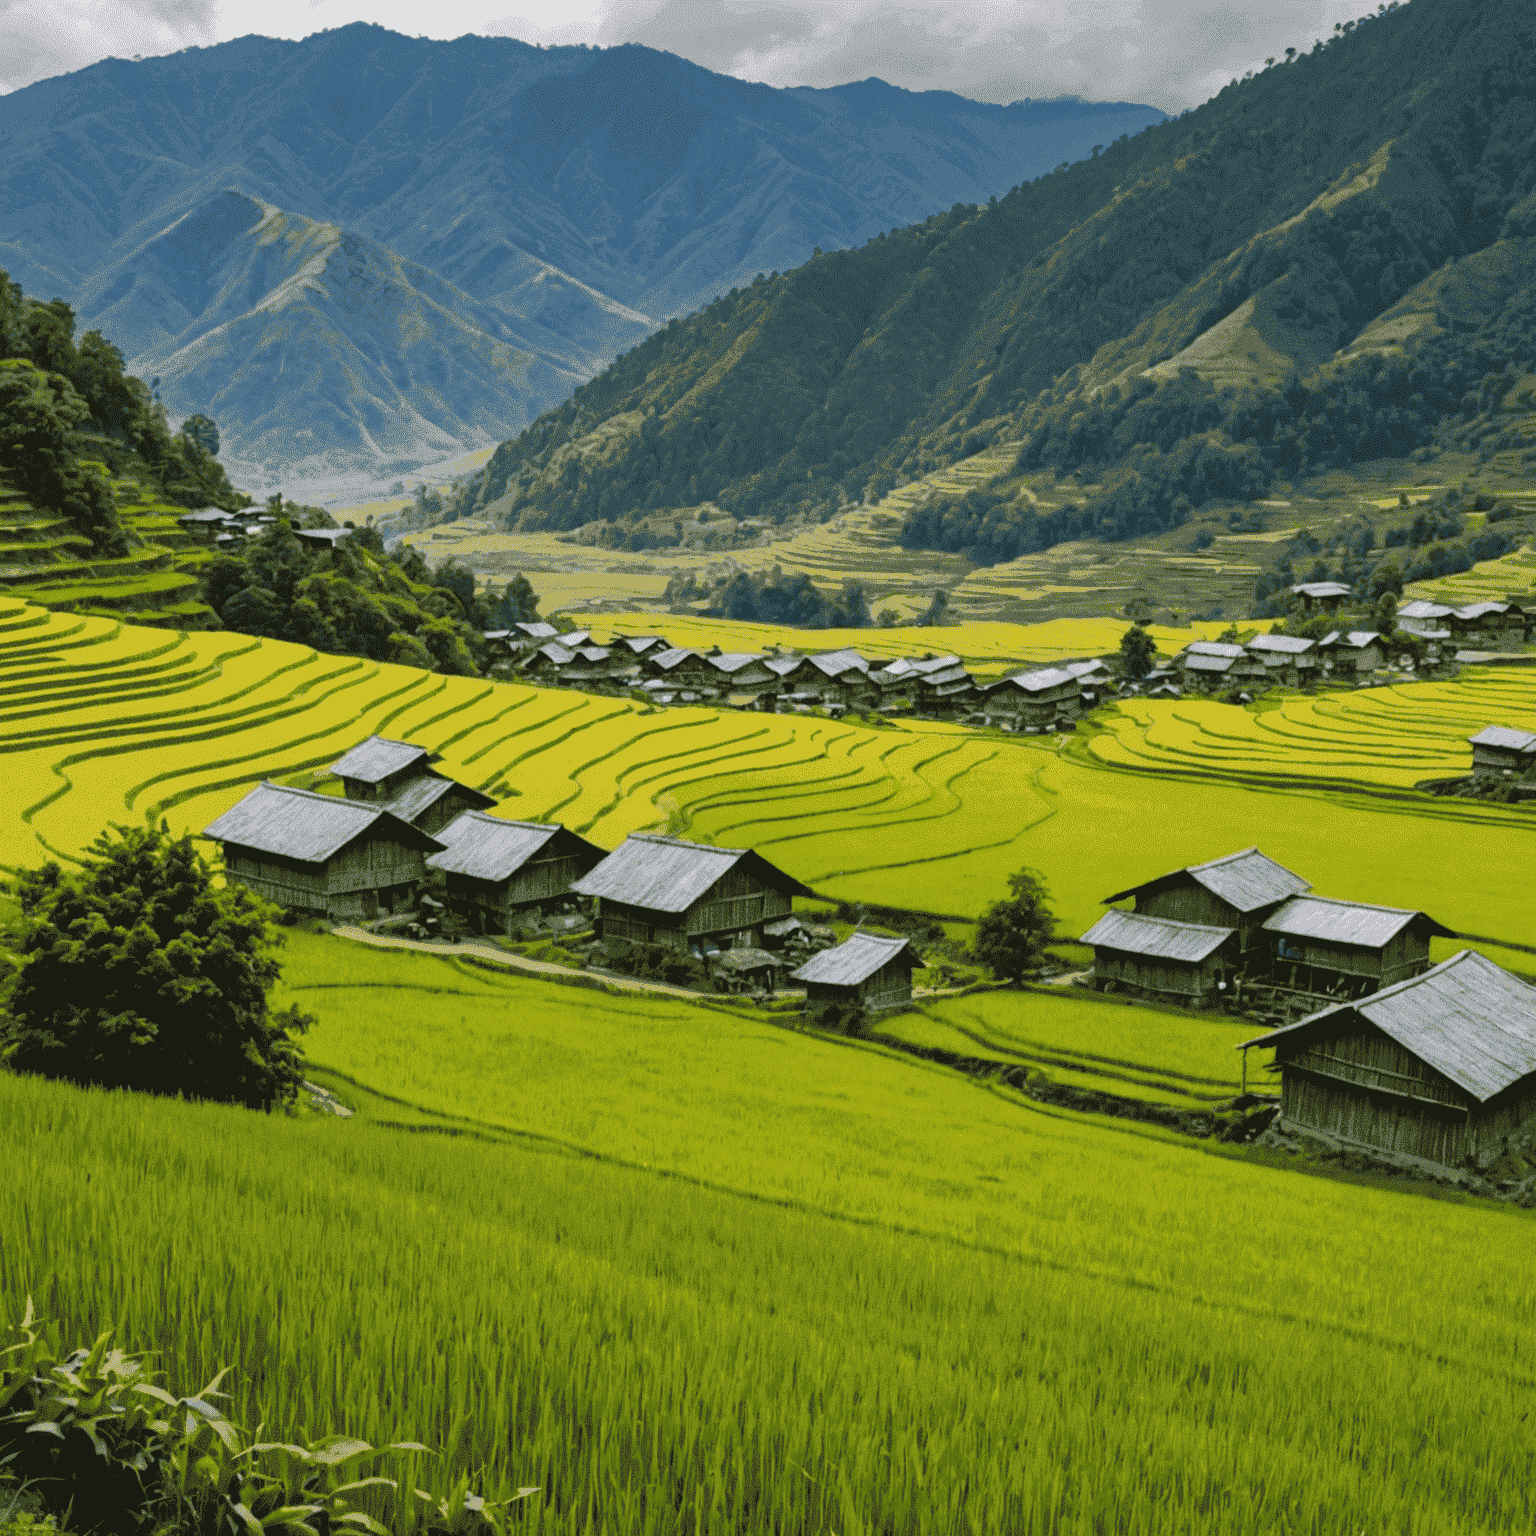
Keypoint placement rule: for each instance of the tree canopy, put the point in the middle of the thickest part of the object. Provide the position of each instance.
(138, 972)
(1011, 935)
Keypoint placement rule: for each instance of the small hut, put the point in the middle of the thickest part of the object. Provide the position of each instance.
(654, 889)
(1160, 956)
(746, 970)
(400, 777)
(1500, 750)
(1326, 595)
(866, 969)
(1354, 654)
(1348, 948)
(322, 853)
(1441, 1066)
(499, 872)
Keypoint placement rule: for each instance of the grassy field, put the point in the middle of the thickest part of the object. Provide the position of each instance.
(102, 721)
(690, 1273)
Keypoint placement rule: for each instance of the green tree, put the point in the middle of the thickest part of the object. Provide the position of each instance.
(519, 604)
(1137, 648)
(137, 972)
(1012, 934)
(201, 431)
(934, 612)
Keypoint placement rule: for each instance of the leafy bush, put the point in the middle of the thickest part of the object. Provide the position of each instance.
(138, 973)
(849, 1018)
(655, 962)
(96, 1435)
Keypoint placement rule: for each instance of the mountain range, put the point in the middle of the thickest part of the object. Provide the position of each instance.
(1331, 207)
(561, 202)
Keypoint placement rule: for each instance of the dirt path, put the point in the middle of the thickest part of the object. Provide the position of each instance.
(490, 953)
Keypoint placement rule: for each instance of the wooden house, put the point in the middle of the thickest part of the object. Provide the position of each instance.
(400, 777)
(1290, 660)
(746, 970)
(1161, 956)
(1428, 621)
(1354, 654)
(1094, 679)
(1441, 1066)
(932, 685)
(1489, 623)
(1502, 751)
(865, 969)
(207, 524)
(834, 678)
(1347, 948)
(505, 646)
(1323, 595)
(1036, 700)
(1213, 664)
(379, 767)
(641, 645)
(742, 673)
(344, 859)
(1238, 891)
(679, 667)
(662, 890)
(500, 872)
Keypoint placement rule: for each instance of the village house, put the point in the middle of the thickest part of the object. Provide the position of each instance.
(1161, 956)
(1441, 1066)
(931, 685)
(506, 646)
(1237, 891)
(1499, 750)
(746, 970)
(1489, 623)
(321, 538)
(501, 873)
(210, 523)
(1290, 660)
(641, 645)
(1324, 595)
(1351, 656)
(590, 667)
(834, 678)
(654, 889)
(1427, 621)
(342, 859)
(1347, 948)
(679, 667)
(744, 674)
(401, 778)
(1214, 664)
(866, 969)
(1093, 679)
(1031, 701)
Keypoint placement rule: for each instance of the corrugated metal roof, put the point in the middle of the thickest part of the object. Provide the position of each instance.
(299, 824)
(905, 668)
(835, 663)
(1213, 648)
(1246, 880)
(1345, 922)
(490, 848)
(419, 795)
(1504, 737)
(1420, 609)
(672, 657)
(1202, 663)
(1321, 589)
(1292, 645)
(666, 874)
(1041, 680)
(375, 759)
(1356, 639)
(856, 959)
(945, 679)
(1160, 938)
(1467, 1018)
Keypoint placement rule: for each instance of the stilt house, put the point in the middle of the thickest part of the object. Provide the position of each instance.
(1037, 699)
(1440, 1066)
(1237, 891)
(343, 859)
(1350, 948)
(662, 890)
(1185, 962)
(865, 968)
(499, 872)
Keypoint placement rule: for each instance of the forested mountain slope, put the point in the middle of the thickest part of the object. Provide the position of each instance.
(1295, 209)
(319, 351)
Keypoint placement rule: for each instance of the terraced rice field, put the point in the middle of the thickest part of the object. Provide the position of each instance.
(101, 722)
(1490, 581)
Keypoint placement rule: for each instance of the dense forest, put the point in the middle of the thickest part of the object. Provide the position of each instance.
(1321, 190)
(71, 415)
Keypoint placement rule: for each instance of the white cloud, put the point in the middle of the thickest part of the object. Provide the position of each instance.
(1172, 53)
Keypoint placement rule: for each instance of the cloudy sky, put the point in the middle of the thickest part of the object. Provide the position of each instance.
(1170, 53)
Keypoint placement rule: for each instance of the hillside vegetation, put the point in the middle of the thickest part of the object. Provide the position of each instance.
(1167, 313)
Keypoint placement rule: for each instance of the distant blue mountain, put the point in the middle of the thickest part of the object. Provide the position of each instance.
(586, 194)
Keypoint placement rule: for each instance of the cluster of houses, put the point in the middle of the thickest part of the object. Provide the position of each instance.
(366, 854)
(1434, 1061)
(652, 668)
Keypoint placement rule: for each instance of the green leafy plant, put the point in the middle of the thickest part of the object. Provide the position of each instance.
(125, 1457)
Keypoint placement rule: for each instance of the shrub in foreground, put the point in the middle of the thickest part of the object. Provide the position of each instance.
(137, 972)
(118, 1455)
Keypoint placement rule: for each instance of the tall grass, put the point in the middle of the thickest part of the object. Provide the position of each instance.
(1259, 1353)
